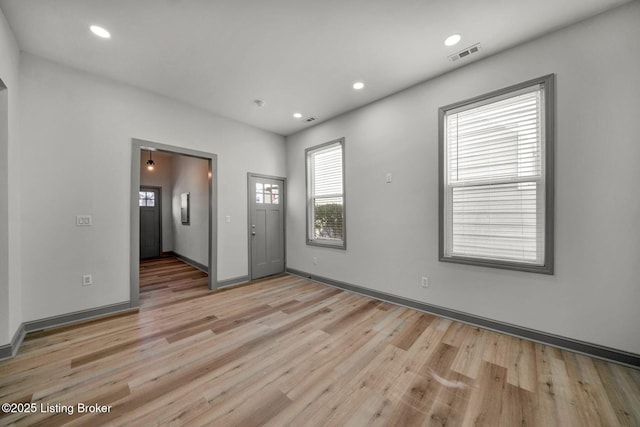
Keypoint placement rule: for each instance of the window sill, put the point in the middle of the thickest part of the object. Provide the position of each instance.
(504, 265)
(327, 244)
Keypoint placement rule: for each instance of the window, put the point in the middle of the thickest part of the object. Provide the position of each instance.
(496, 178)
(325, 195)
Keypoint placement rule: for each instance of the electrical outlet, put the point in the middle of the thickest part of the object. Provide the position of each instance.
(425, 282)
(87, 280)
(315, 261)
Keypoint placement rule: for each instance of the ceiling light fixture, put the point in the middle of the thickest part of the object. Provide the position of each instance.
(100, 32)
(150, 163)
(358, 85)
(452, 40)
(297, 115)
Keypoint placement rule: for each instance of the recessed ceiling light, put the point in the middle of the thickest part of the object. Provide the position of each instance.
(452, 40)
(100, 32)
(358, 85)
(297, 115)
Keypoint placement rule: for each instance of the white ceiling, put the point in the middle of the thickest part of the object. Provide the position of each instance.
(296, 55)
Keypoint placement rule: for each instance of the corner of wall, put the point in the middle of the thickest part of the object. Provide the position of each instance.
(10, 222)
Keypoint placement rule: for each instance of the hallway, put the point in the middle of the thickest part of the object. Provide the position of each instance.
(167, 280)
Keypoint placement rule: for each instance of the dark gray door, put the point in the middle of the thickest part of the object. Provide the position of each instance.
(266, 226)
(150, 223)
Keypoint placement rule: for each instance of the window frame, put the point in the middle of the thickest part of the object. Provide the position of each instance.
(327, 243)
(548, 150)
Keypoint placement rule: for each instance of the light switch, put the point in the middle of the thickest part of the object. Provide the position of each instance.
(227, 218)
(389, 177)
(84, 221)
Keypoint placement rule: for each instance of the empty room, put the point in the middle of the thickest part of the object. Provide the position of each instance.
(320, 213)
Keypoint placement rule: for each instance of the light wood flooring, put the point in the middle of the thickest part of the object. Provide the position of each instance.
(286, 351)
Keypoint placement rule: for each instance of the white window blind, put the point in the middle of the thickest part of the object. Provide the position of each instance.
(495, 178)
(325, 182)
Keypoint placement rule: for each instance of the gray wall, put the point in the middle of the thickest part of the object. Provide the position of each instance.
(393, 228)
(10, 293)
(190, 175)
(161, 176)
(83, 126)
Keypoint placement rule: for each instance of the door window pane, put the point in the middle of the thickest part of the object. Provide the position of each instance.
(146, 198)
(267, 193)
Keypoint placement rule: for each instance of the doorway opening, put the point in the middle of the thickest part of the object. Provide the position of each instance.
(174, 211)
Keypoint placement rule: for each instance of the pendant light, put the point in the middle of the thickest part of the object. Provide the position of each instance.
(150, 162)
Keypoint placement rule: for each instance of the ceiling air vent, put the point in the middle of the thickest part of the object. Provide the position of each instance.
(310, 119)
(464, 53)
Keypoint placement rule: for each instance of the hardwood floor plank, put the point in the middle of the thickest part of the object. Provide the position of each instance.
(554, 398)
(620, 390)
(257, 411)
(360, 359)
(353, 316)
(346, 411)
(308, 401)
(521, 370)
(323, 295)
(469, 359)
(115, 349)
(413, 329)
(451, 403)
(496, 349)
(285, 350)
(597, 408)
(421, 394)
(485, 403)
(518, 407)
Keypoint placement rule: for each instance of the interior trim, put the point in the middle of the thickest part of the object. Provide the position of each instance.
(9, 351)
(77, 316)
(134, 220)
(589, 349)
(192, 263)
(232, 282)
